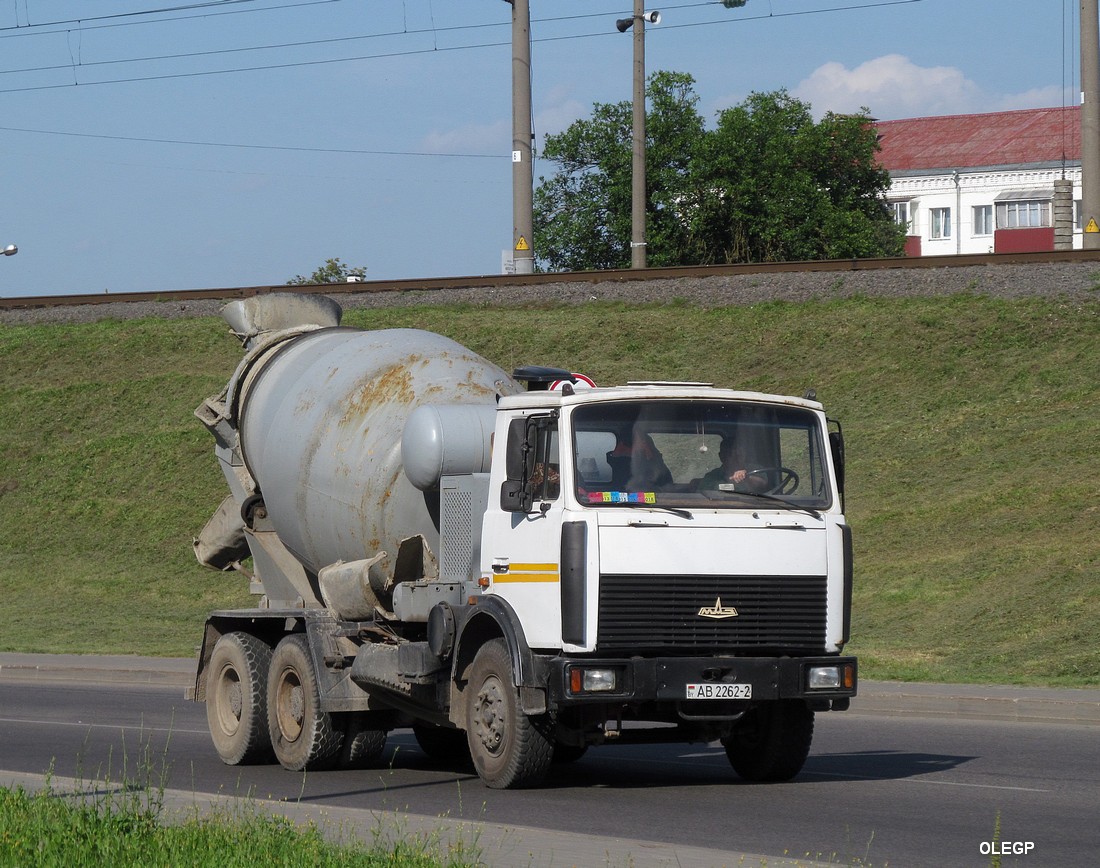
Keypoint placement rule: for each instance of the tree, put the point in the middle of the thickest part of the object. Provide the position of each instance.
(790, 189)
(767, 184)
(333, 271)
(582, 214)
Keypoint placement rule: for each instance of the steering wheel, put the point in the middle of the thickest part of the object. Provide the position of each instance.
(788, 479)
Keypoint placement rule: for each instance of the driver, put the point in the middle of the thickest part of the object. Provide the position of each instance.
(733, 470)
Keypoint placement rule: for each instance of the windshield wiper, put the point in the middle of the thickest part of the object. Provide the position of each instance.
(683, 513)
(714, 494)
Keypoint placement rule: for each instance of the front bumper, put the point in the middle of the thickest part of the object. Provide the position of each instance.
(666, 679)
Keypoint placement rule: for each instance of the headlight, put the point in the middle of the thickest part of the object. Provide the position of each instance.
(824, 678)
(582, 680)
(839, 677)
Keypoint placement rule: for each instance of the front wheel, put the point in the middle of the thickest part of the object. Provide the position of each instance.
(304, 737)
(510, 749)
(771, 742)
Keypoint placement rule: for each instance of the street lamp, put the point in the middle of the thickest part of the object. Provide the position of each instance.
(637, 187)
(10, 250)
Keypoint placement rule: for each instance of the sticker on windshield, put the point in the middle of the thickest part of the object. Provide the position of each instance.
(622, 497)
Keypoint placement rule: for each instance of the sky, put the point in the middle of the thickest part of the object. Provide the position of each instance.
(152, 145)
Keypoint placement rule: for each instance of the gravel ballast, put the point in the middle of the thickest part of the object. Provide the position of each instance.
(1078, 281)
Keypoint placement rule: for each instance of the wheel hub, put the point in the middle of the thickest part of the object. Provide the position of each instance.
(236, 702)
(229, 701)
(291, 707)
(490, 719)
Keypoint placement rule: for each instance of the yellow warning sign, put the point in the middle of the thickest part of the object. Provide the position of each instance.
(522, 243)
(1091, 226)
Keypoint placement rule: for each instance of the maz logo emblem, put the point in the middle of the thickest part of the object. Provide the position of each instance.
(718, 610)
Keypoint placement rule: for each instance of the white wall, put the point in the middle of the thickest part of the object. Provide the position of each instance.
(926, 192)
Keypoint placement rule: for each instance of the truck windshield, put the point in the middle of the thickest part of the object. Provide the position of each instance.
(699, 454)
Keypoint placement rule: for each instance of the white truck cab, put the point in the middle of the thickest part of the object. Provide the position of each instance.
(672, 553)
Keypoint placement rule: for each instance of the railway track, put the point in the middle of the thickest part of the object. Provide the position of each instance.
(516, 280)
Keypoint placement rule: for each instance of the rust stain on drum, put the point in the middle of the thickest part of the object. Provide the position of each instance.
(390, 385)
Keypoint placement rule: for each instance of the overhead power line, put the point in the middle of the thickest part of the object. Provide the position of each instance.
(390, 54)
(25, 30)
(143, 12)
(364, 151)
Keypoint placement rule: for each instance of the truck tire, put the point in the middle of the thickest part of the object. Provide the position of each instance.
(771, 742)
(510, 749)
(303, 737)
(236, 699)
(363, 744)
(442, 744)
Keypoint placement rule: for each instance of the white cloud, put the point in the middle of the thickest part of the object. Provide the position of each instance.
(1038, 97)
(891, 86)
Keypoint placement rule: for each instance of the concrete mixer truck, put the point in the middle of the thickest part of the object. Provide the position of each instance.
(518, 567)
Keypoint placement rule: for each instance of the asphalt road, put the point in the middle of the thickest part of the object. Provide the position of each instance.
(877, 789)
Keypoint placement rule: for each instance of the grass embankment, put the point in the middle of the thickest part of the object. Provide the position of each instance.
(970, 424)
(133, 827)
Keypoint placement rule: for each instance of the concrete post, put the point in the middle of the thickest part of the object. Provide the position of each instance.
(1090, 124)
(638, 183)
(523, 176)
(1063, 214)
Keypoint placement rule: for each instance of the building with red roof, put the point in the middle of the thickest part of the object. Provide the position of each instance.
(984, 183)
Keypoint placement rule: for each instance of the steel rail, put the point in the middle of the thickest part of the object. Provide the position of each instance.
(516, 280)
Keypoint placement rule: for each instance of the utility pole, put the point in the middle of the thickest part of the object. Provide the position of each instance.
(523, 178)
(1090, 124)
(636, 23)
(638, 188)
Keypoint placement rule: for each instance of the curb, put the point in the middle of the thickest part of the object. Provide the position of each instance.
(1045, 705)
(979, 702)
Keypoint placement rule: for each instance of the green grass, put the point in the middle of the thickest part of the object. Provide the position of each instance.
(126, 827)
(970, 424)
(47, 830)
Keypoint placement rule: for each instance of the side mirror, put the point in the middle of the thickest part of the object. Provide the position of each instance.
(836, 445)
(517, 493)
(515, 496)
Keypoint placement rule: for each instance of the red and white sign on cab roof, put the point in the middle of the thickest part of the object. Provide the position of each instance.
(583, 382)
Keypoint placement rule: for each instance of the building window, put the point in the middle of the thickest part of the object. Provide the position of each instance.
(983, 219)
(1023, 214)
(941, 222)
(902, 216)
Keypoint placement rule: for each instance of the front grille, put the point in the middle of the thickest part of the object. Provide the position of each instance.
(661, 613)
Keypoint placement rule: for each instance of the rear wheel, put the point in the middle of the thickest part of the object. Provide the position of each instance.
(236, 699)
(303, 736)
(771, 742)
(363, 744)
(509, 748)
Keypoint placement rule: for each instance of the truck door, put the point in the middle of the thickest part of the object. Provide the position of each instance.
(522, 542)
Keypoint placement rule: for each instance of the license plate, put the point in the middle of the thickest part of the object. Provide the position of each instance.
(719, 691)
